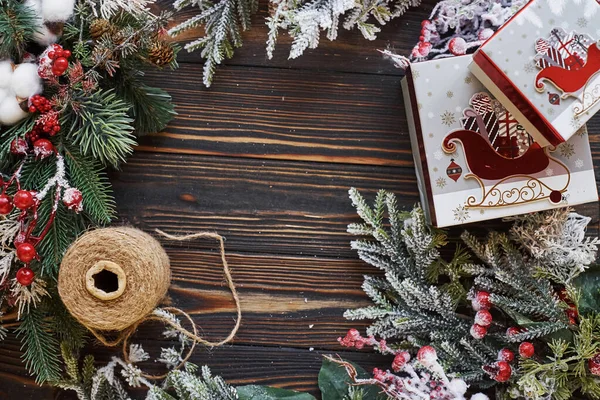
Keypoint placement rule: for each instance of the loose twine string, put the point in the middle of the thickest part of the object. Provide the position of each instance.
(125, 336)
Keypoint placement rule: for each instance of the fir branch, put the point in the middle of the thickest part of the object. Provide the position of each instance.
(100, 125)
(89, 177)
(305, 20)
(18, 25)
(63, 231)
(223, 23)
(40, 346)
(151, 107)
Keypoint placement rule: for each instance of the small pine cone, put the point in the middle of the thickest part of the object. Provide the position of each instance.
(100, 27)
(161, 53)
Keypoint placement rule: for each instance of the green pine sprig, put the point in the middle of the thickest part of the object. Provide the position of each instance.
(223, 22)
(101, 126)
(18, 25)
(151, 107)
(40, 347)
(89, 177)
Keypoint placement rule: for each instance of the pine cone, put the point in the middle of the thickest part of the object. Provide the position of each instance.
(161, 53)
(100, 27)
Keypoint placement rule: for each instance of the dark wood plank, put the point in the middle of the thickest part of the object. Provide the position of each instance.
(351, 52)
(280, 114)
(260, 206)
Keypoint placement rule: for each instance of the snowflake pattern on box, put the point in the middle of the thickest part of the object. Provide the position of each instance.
(569, 62)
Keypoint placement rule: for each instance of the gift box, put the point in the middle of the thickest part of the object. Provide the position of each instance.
(544, 66)
(475, 161)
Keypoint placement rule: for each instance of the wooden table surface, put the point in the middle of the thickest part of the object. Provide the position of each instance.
(265, 157)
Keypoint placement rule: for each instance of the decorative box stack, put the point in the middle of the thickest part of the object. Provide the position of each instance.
(503, 132)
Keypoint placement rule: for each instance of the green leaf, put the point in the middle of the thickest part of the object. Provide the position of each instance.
(255, 392)
(334, 382)
(588, 285)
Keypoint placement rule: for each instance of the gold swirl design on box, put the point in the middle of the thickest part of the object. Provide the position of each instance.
(589, 99)
(531, 189)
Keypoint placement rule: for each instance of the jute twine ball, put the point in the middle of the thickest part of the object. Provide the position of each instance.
(112, 278)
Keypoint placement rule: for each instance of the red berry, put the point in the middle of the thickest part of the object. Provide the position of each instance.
(427, 356)
(26, 252)
(43, 148)
(458, 46)
(400, 360)
(19, 147)
(594, 365)
(483, 318)
(478, 331)
(526, 350)
(23, 200)
(25, 276)
(572, 313)
(51, 55)
(513, 330)
(500, 371)
(73, 200)
(481, 301)
(61, 63)
(57, 72)
(66, 53)
(6, 204)
(506, 355)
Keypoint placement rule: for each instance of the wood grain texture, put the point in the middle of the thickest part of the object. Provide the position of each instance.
(286, 115)
(266, 157)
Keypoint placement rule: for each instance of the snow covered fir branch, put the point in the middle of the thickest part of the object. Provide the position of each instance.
(72, 102)
(224, 21)
(515, 311)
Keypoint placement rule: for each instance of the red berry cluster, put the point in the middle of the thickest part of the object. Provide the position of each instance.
(571, 312)
(38, 103)
(428, 32)
(42, 148)
(594, 365)
(59, 57)
(27, 202)
(483, 319)
(500, 371)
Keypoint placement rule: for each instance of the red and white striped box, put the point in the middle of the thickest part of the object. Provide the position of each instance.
(543, 65)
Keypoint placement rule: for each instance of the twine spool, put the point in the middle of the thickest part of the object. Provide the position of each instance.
(112, 279)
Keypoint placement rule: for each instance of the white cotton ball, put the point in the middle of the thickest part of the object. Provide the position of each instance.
(4, 94)
(479, 396)
(57, 10)
(25, 80)
(44, 37)
(10, 111)
(458, 387)
(6, 71)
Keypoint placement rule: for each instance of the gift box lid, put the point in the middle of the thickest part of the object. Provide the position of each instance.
(474, 161)
(544, 66)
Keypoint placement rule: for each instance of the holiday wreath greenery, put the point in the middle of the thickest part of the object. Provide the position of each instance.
(516, 312)
(72, 101)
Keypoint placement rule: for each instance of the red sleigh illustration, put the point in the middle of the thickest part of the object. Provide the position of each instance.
(571, 63)
(498, 149)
